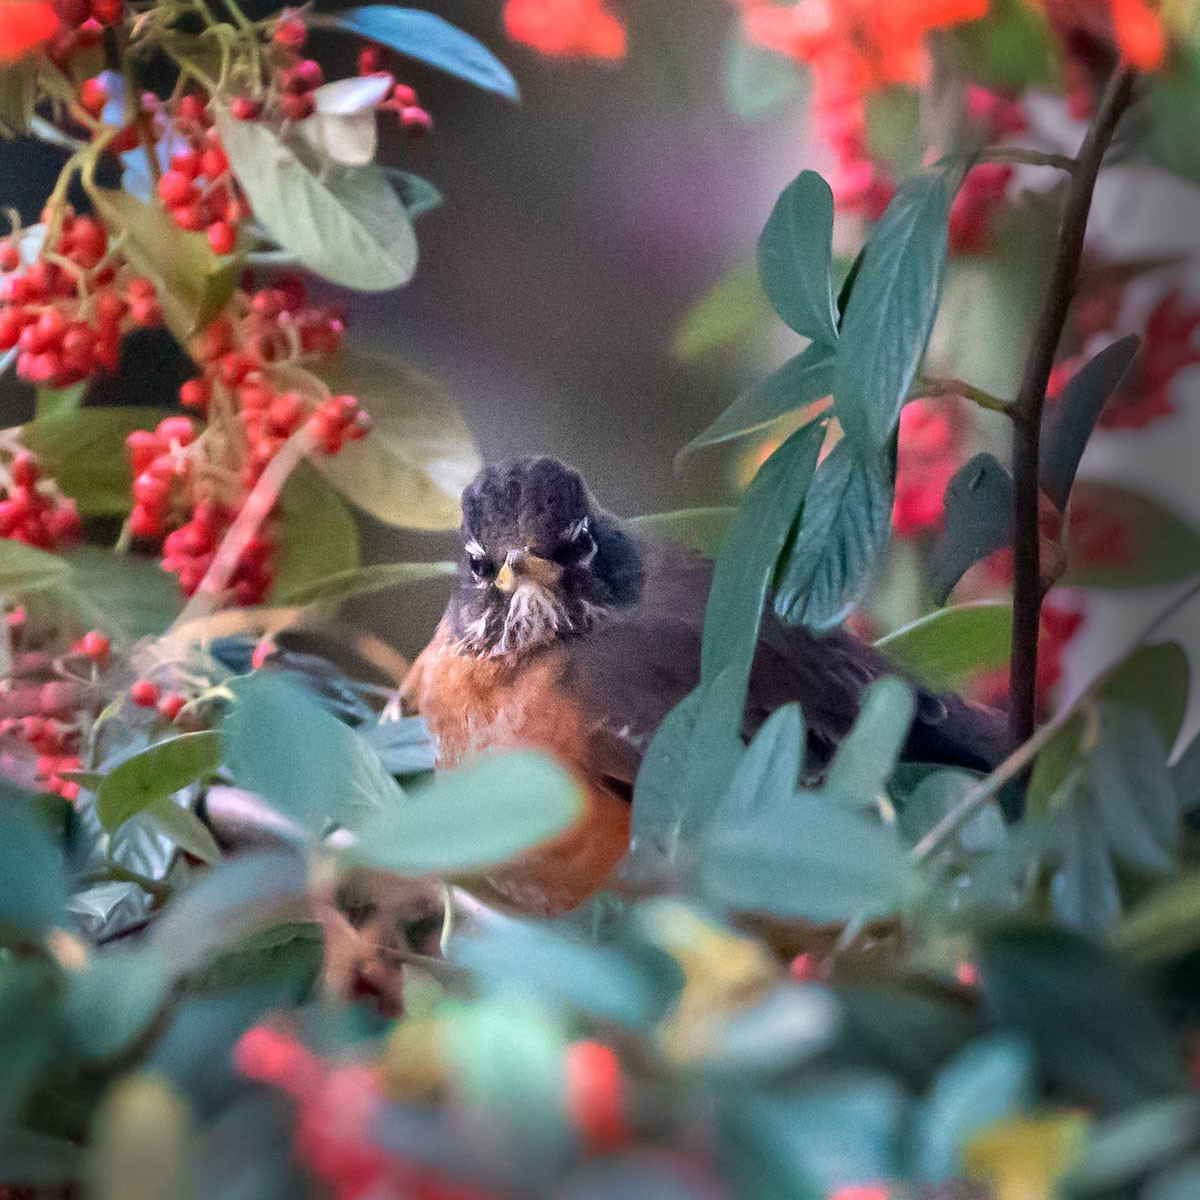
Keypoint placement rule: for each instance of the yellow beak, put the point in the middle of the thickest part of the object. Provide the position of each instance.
(520, 564)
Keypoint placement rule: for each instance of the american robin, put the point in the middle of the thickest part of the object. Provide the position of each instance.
(568, 634)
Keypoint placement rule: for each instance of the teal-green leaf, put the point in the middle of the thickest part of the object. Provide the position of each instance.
(978, 522)
(758, 81)
(110, 1003)
(155, 773)
(429, 39)
(700, 529)
(859, 772)
(283, 744)
(346, 224)
(1174, 103)
(133, 592)
(892, 309)
(33, 883)
(764, 522)
(1069, 422)
(795, 256)
(344, 585)
(316, 533)
(945, 648)
(472, 817)
(1154, 678)
(843, 531)
(770, 767)
(800, 382)
(25, 569)
(730, 315)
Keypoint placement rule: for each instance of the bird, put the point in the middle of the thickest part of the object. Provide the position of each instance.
(568, 634)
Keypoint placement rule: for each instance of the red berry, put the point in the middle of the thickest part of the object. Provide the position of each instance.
(72, 13)
(189, 217)
(10, 257)
(244, 109)
(297, 108)
(176, 429)
(95, 646)
(222, 237)
(404, 95)
(150, 491)
(144, 522)
(146, 312)
(170, 706)
(213, 163)
(416, 121)
(51, 326)
(194, 393)
(290, 32)
(187, 164)
(110, 308)
(175, 188)
(144, 694)
(369, 60)
(93, 96)
(596, 1095)
(108, 12)
(24, 469)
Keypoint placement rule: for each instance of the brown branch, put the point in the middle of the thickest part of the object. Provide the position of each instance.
(1028, 584)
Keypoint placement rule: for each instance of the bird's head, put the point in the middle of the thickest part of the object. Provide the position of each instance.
(541, 560)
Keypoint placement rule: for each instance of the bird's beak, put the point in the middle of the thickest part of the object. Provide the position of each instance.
(521, 565)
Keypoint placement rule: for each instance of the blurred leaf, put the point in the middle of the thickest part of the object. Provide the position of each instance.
(184, 828)
(112, 1002)
(51, 403)
(991, 1080)
(799, 383)
(764, 522)
(642, 1174)
(729, 315)
(33, 884)
(418, 195)
(1026, 1157)
(472, 817)
(1185, 774)
(758, 81)
(1174, 104)
(795, 257)
(978, 522)
(991, 303)
(1012, 48)
(18, 94)
(140, 1141)
(1122, 1149)
(344, 585)
(1166, 924)
(948, 647)
(346, 224)
(418, 457)
(807, 857)
(842, 532)
(317, 536)
(891, 312)
(858, 775)
(288, 953)
(405, 746)
(132, 590)
(770, 768)
(1175, 1183)
(894, 128)
(776, 1035)
(1096, 1029)
(193, 283)
(155, 773)
(31, 1037)
(280, 742)
(700, 529)
(429, 39)
(1069, 423)
(29, 1159)
(1154, 679)
(84, 449)
(1120, 539)
(25, 569)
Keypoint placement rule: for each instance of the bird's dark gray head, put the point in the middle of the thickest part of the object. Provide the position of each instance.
(541, 560)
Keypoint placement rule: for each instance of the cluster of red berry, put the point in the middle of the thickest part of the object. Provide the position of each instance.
(66, 312)
(197, 189)
(34, 510)
(81, 25)
(403, 100)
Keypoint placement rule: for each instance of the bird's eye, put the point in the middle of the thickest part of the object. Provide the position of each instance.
(579, 545)
(478, 564)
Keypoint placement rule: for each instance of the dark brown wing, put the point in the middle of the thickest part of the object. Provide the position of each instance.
(629, 672)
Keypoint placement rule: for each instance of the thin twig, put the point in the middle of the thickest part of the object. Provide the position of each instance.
(1027, 410)
(1029, 158)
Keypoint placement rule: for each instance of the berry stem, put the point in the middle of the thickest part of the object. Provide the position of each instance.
(1029, 586)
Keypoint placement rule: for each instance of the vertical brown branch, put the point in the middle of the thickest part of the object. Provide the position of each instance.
(1028, 584)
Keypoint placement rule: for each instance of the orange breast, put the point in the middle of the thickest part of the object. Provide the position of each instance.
(474, 705)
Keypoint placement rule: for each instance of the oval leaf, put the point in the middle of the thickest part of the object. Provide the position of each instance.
(413, 467)
(152, 774)
(317, 533)
(429, 38)
(946, 648)
(701, 529)
(978, 521)
(892, 309)
(794, 257)
(348, 225)
(24, 568)
(362, 581)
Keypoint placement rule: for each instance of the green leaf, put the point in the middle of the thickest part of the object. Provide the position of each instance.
(700, 529)
(858, 775)
(317, 533)
(742, 576)
(991, 1080)
(800, 382)
(758, 81)
(1185, 774)
(193, 283)
(18, 95)
(795, 256)
(31, 1037)
(33, 884)
(29, 1158)
(1069, 423)
(809, 858)
(1174, 104)
(418, 195)
(347, 223)
(26, 569)
(978, 522)
(132, 590)
(1010, 49)
(281, 743)
(946, 648)
(1121, 1150)
(413, 467)
(1166, 924)
(891, 312)
(57, 402)
(774, 1036)
(894, 128)
(84, 449)
(429, 39)
(771, 767)
(472, 817)
(842, 533)
(156, 773)
(1156, 680)
(362, 581)
(1176, 1183)
(1120, 539)
(728, 316)
(111, 1002)
(1094, 1026)
(185, 829)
